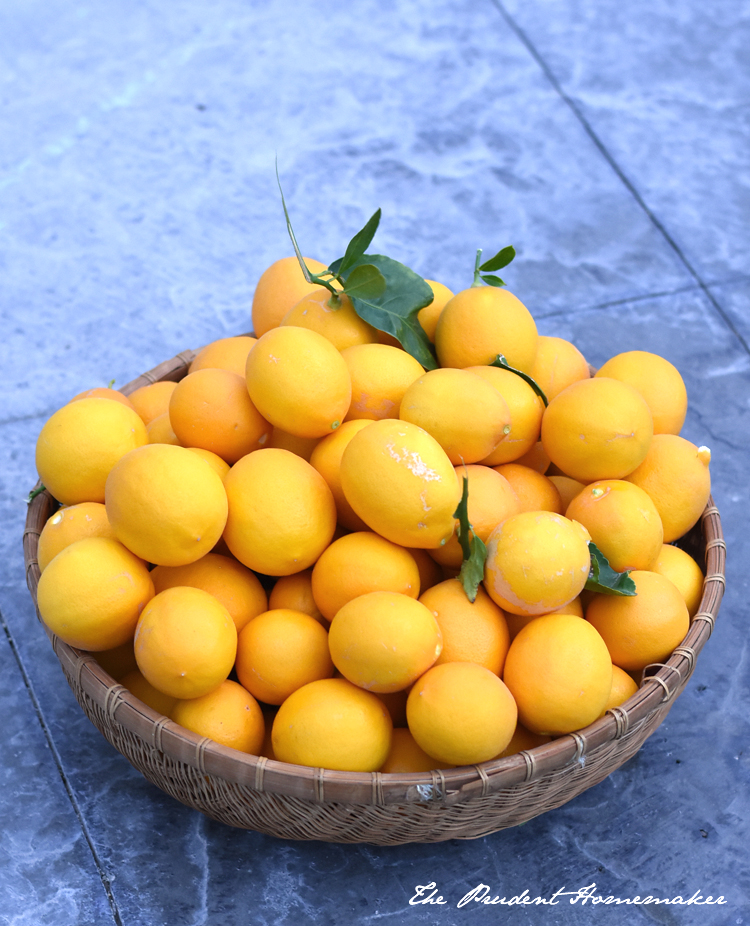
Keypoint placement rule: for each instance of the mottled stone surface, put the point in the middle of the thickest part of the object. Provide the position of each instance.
(138, 207)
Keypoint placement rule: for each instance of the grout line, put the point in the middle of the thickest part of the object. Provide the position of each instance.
(626, 300)
(531, 48)
(58, 761)
(642, 297)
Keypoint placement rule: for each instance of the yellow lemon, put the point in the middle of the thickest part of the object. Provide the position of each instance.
(281, 286)
(560, 674)
(680, 567)
(399, 480)
(185, 642)
(461, 713)
(623, 523)
(211, 409)
(597, 428)
(298, 381)
(642, 628)
(623, 687)
(160, 431)
(79, 445)
(537, 561)
(281, 512)
(231, 583)
(326, 458)
(165, 504)
(226, 354)
(658, 381)
(380, 375)
(526, 410)
(463, 412)
(280, 651)
(228, 715)
(675, 474)
(359, 563)
(92, 593)
(481, 322)
(535, 492)
(332, 316)
(472, 632)
(152, 401)
(558, 364)
(295, 593)
(333, 724)
(429, 315)
(87, 519)
(383, 641)
(407, 756)
(491, 500)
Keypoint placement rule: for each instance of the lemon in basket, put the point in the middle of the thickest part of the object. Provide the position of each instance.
(81, 442)
(185, 642)
(383, 641)
(644, 628)
(399, 480)
(461, 713)
(559, 671)
(165, 504)
(92, 593)
(537, 561)
(87, 519)
(298, 381)
(463, 412)
(281, 512)
(597, 428)
(229, 715)
(331, 723)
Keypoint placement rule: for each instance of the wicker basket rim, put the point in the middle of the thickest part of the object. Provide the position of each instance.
(660, 684)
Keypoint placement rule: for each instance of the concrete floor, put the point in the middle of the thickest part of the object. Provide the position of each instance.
(607, 141)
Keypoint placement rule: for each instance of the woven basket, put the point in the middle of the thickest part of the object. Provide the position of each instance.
(295, 802)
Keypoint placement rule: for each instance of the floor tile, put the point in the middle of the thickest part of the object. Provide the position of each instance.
(48, 874)
(665, 91)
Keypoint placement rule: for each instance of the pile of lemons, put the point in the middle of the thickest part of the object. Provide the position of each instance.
(266, 551)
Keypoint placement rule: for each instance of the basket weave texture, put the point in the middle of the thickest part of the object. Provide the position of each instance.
(295, 802)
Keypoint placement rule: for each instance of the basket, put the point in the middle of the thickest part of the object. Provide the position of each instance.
(296, 802)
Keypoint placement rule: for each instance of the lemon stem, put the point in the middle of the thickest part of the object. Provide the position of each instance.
(478, 281)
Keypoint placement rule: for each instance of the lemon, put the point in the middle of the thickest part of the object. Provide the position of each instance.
(402, 484)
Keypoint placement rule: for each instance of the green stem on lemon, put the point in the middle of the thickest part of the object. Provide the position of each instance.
(478, 281)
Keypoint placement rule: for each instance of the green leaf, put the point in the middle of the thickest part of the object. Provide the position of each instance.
(492, 280)
(503, 364)
(395, 309)
(365, 282)
(359, 243)
(603, 579)
(500, 260)
(474, 550)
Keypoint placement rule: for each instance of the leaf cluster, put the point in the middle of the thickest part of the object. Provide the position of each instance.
(484, 273)
(384, 293)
